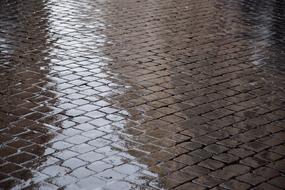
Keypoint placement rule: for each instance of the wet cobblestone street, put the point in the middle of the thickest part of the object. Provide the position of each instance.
(142, 94)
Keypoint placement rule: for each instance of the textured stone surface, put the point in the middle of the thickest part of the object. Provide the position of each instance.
(142, 94)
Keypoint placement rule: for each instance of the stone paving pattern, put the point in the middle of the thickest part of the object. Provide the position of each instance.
(142, 94)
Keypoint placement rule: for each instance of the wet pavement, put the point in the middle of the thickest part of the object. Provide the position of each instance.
(142, 94)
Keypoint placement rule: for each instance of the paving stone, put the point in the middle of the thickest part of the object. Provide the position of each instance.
(268, 156)
(266, 186)
(251, 179)
(82, 148)
(188, 160)
(234, 184)
(7, 151)
(81, 172)
(279, 149)
(55, 170)
(91, 156)
(189, 186)
(196, 170)
(253, 162)
(73, 163)
(84, 127)
(208, 181)
(22, 174)
(21, 158)
(201, 153)
(61, 145)
(190, 145)
(64, 180)
(226, 158)
(211, 164)
(77, 139)
(180, 177)
(119, 185)
(128, 169)
(240, 152)
(91, 183)
(111, 175)
(99, 166)
(255, 146)
(278, 165)
(266, 172)
(216, 149)
(114, 160)
(278, 181)
(230, 171)
(65, 154)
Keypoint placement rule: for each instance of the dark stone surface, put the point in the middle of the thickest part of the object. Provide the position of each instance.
(142, 94)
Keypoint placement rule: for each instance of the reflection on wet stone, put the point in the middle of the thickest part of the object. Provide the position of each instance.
(141, 94)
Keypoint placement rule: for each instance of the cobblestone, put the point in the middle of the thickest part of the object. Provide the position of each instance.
(142, 94)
